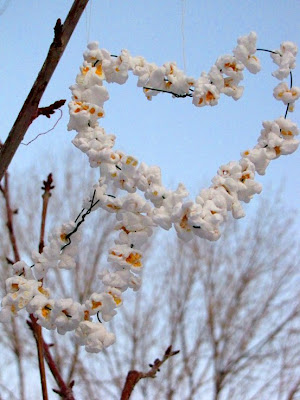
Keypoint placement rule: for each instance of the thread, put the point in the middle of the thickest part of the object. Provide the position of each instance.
(88, 14)
(183, 9)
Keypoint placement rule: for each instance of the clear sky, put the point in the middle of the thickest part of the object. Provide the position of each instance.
(188, 143)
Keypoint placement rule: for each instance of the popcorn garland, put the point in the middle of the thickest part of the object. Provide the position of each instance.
(137, 216)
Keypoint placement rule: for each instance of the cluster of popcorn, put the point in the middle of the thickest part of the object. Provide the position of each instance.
(138, 215)
(52, 257)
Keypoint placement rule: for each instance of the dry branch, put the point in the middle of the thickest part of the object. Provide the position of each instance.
(64, 390)
(37, 329)
(30, 109)
(134, 376)
(10, 226)
(9, 214)
(48, 111)
(46, 196)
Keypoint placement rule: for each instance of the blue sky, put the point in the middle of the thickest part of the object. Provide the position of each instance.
(188, 143)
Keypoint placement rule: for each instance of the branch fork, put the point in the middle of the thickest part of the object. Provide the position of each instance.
(134, 377)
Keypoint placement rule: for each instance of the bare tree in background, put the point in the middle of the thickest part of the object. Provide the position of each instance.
(91, 373)
(16, 342)
(231, 307)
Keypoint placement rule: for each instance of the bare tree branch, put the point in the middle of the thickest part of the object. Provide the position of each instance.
(294, 390)
(64, 391)
(134, 376)
(46, 196)
(9, 214)
(30, 110)
(48, 111)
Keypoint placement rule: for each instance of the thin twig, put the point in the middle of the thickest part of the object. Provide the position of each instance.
(46, 196)
(134, 376)
(29, 110)
(9, 214)
(38, 335)
(64, 391)
(18, 350)
(37, 328)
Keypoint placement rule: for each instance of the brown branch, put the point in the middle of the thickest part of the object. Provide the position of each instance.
(9, 214)
(37, 329)
(48, 111)
(37, 333)
(18, 350)
(43, 348)
(64, 391)
(29, 110)
(46, 196)
(134, 376)
(294, 390)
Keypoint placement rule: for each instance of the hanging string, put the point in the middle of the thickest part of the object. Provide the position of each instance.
(88, 14)
(44, 133)
(183, 7)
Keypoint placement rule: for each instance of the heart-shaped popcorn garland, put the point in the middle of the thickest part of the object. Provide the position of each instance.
(136, 215)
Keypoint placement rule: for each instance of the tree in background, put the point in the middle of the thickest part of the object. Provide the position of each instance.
(64, 201)
(231, 307)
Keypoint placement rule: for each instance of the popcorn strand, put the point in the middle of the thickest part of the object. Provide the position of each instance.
(137, 216)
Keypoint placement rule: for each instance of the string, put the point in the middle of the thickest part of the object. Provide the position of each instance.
(88, 14)
(44, 133)
(183, 7)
